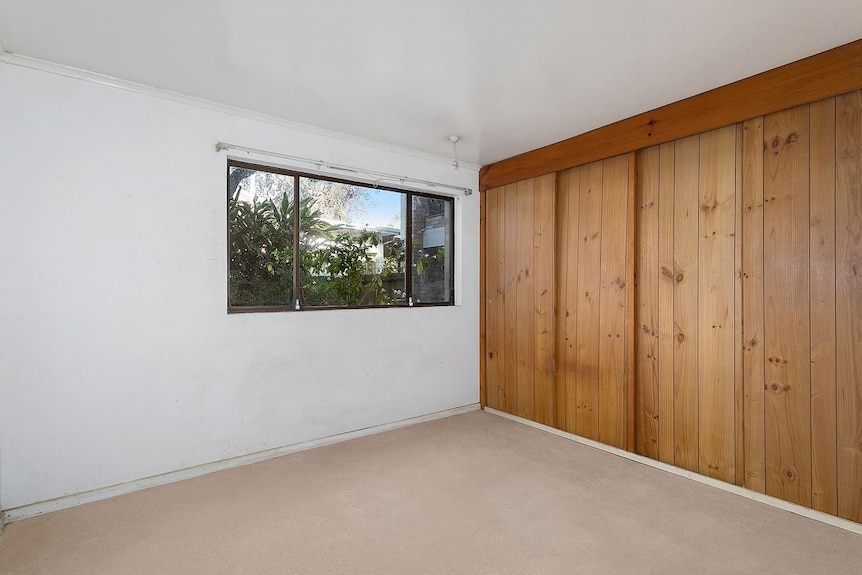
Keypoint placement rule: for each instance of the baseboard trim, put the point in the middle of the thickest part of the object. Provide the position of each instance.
(832, 520)
(67, 501)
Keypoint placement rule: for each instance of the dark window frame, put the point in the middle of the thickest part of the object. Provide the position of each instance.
(297, 288)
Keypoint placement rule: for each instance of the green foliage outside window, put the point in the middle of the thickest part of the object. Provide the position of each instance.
(335, 265)
(338, 261)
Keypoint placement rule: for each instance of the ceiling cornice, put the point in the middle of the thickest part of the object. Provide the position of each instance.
(105, 80)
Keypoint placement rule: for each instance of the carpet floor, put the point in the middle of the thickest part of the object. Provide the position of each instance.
(473, 494)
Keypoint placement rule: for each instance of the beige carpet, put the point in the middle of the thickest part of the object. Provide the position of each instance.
(473, 493)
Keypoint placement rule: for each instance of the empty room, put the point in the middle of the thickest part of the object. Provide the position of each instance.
(430, 287)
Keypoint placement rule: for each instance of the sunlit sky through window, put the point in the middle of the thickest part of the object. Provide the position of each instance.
(383, 209)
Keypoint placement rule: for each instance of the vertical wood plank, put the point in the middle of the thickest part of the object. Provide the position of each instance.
(500, 311)
(525, 336)
(824, 480)
(739, 391)
(685, 301)
(716, 304)
(752, 306)
(629, 325)
(665, 302)
(786, 312)
(646, 302)
(589, 296)
(544, 293)
(612, 317)
(848, 302)
(492, 292)
(569, 309)
(483, 298)
(561, 266)
(510, 298)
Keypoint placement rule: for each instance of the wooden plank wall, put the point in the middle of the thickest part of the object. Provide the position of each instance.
(520, 340)
(685, 297)
(747, 319)
(749, 304)
(591, 300)
(551, 248)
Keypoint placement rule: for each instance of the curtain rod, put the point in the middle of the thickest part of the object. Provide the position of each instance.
(378, 176)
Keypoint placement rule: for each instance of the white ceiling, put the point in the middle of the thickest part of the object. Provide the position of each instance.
(507, 76)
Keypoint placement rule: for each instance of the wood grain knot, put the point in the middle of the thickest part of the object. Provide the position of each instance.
(792, 139)
(789, 474)
(679, 278)
(680, 337)
(776, 145)
(665, 271)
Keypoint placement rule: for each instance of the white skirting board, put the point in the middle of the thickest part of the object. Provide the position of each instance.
(33, 509)
(729, 487)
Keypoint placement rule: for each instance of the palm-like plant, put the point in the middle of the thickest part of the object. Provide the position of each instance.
(334, 264)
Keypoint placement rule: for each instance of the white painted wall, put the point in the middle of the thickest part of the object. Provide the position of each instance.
(117, 358)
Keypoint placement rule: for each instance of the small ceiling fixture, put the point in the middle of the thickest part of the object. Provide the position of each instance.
(455, 140)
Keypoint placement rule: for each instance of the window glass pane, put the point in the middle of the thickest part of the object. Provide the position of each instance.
(260, 229)
(351, 244)
(432, 250)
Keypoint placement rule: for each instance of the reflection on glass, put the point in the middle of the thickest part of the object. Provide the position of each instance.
(351, 245)
(260, 229)
(432, 250)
